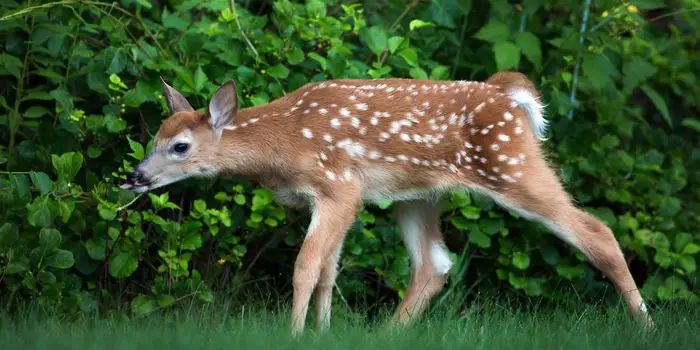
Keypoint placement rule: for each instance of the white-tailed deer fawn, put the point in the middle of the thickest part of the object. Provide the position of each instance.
(335, 144)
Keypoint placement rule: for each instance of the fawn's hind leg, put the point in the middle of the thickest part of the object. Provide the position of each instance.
(540, 196)
(420, 229)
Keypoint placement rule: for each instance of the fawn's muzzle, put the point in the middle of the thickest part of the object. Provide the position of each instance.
(135, 177)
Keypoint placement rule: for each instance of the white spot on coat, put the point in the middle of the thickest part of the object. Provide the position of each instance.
(361, 106)
(307, 133)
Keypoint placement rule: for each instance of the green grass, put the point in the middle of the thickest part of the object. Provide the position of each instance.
(491, 327)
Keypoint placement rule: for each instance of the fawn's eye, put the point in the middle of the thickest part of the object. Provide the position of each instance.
(181, 147)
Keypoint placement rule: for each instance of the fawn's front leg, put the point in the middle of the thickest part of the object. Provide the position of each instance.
(333, 213)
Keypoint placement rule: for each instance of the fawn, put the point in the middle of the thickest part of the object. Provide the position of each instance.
(338, 143)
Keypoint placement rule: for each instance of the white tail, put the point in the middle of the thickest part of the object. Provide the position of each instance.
(338, 143)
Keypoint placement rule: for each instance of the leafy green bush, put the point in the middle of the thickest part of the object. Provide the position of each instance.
(81, 78)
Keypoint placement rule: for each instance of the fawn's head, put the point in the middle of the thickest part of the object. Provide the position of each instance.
(185, 145)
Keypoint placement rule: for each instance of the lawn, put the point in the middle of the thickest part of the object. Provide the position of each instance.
(490, 327)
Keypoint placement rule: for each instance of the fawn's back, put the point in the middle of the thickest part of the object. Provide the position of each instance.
(402, 138)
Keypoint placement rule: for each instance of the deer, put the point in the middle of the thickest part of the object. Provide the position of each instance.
(333, 145)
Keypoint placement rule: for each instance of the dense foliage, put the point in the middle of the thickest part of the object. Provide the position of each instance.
(81, 99)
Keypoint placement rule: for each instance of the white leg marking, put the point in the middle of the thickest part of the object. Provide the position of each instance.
(411, 232)
(441, 260)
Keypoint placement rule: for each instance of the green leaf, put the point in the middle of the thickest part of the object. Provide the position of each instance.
(60, 259)
(691, 249)
(206, 296)
(529, 45)
(49, 239)
(596, 71)
(173, 21)
(636, 71)
(67, 165)
(658, 101)
(136, 148)
(316, 8)
(239, 199)
(200, 79)
(118, 62)
(296, 56)
(40, 215)
(107, 213)
(417, 73)
(507, 55)
(609, 142)
(95, 247)
(192, 241)
(682, 240)
(479, 238)
(36, 112)
(416, 23)
(491, 226)
(570, 272)
(410, 56)
(41, 181)
(191, 43)
(17, 266)
(114, 124)
(495, 31)
(320, 59)
(533, 287)
(471, 212)
(65, 209)
(521, 261)
(144, 3)
(63, 98)
(123, 264)
(440, 72)
(142, 305)
(376, 39)
(688, 263)
(460, 223)
(9, 234)
(648, 4)
(669, 206)
(166, 300)
(20, 183)
(691, 123)
(395, 42)
(278, 71)
(200, 205)
(46, 277)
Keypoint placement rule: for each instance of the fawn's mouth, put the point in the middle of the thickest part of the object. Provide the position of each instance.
(139, 186)
(135, 188)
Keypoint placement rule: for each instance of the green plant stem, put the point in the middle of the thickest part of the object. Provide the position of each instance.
(462, 34)
(14, 120)
(577, 67)
(240, 27)
(130, 203)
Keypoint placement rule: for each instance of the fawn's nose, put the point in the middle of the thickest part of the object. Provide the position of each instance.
(134, 177)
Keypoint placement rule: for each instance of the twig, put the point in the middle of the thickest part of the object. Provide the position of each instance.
(14, 119)
(577, 68)
(238, 23)
(130, 203)
(461, 40)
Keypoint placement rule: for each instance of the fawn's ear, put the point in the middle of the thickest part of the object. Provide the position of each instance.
(223, 106)
(176, 102)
